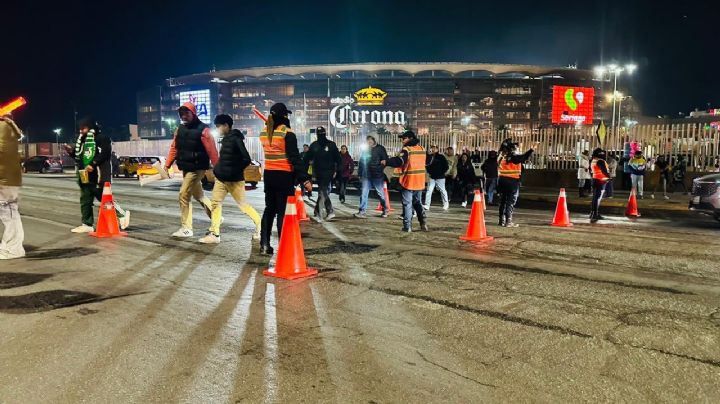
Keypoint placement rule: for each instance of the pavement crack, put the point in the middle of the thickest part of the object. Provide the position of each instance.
(453, 372)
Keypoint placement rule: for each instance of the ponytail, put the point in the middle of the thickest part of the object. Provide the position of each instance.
(270, 127)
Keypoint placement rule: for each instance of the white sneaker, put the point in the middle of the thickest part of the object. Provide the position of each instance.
(183, 233)
(446, 207)
(667, 197)
(210, 238)
(256, 235)
(426, 207)
(464, 204)
(83, 228)
(331, 216)
(125, 220)
(5, 255)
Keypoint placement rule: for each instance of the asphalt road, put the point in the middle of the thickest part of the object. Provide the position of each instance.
(620, 311)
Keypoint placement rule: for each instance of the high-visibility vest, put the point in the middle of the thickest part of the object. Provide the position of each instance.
(413, 174)
(275, 155)
(508, 169)
(597, 173)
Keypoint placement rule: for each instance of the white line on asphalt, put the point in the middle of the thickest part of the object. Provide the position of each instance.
(271, 345)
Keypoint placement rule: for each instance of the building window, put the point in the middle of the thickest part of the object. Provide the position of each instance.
(513, 90)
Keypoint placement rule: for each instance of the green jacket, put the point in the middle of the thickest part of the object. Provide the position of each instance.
(10, 168)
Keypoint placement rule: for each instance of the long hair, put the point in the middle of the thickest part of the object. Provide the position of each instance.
(270, 127)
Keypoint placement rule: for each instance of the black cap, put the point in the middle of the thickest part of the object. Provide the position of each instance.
(320, 131)
(407, 133)
(280, 109)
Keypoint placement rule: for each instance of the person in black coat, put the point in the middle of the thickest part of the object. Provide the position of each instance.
(467, 180)
(326, 165)
(230, 178)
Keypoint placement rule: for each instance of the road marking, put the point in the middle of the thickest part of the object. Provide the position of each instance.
(271, 345)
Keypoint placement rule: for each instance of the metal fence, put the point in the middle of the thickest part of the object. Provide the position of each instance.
(555, 148)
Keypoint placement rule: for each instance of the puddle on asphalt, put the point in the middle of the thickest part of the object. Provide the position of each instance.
(345, 247)
(9, 280)
(59, 253)
(45, 301)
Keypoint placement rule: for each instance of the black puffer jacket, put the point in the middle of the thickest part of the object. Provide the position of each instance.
(437, 165)
(234, 158)
(325, 157)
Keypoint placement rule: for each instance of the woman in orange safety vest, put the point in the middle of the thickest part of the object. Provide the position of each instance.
(600, 178)
(509, 171)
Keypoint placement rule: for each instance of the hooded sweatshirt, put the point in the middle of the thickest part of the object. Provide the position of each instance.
(325, 157)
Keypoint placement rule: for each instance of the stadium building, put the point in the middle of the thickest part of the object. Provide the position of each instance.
(359, 99)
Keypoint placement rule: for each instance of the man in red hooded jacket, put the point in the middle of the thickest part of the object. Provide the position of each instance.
(193, 148)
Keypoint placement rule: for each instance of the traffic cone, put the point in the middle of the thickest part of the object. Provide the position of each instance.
(387, 200)
(290, 263)
(300, 204)
(476, 226)
(632, 208)
(562, 215)
(107, 224)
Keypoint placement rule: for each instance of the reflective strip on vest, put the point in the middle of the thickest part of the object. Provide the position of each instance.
(509, 170)
(275, 153)
(597, 172)
(413, 174)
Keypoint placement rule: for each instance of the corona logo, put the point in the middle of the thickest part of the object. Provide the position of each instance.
(370, 96)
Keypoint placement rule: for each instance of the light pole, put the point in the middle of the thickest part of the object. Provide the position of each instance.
(57, 131)
(614, 70)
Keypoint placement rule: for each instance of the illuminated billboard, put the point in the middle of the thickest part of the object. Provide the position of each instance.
(201, 99)
(573, 105)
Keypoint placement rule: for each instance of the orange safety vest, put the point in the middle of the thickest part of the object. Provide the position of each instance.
(509, 170)
(597, 172)
(275, 155)
(413, 172)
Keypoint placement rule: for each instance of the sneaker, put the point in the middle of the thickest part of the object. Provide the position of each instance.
(256, 235)
(426, 207)
(318, 218)
(183, 233)
(5, 255)
(125, 220)
(511, 224)
(384, 214)
(407, 230)
(651, 196)
(464, 204)
(210, 238)
(424, 227)
(331, 216)
(360, 215)
(446, 207)
(667, 197)
(83, 228)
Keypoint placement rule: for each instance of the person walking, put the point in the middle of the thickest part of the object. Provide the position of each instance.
(372, 175)
(283, 170)
(308, 170)
(193, 147)
(662, 176)
(509, 173)
(583, 173)
(115, 164)
(451, 174)
(490, 169)
(467, 180)
(412, 180)
(326, 165)
(436, 165)
(11, 244)
(476, 158)
(229, 178)
(601, 177)
(347, 166)
(637, 166)
(92, 153)
(678, 174)
(612, 165)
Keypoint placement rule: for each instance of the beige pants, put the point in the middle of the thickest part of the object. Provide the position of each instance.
(192, 188)
(12, 237)
(237, 190)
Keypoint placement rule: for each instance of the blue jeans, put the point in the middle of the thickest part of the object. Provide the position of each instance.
(377, 185)
(509, 191)
(412, 200)
(491, 185)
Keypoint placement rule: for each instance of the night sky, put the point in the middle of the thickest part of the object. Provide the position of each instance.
(97, 56)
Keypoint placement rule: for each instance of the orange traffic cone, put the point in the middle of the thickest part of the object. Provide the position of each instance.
(562, 215)
(107, 224)
(290, 263)
(300, 204)
(476, 226)
(387, 200)
(632, 208)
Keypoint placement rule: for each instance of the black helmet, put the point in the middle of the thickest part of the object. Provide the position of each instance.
(508, 146)
(599, 152)
(320, 131)
(407, 133)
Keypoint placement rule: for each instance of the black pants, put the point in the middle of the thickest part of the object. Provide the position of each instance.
(323, 196)
(342, 188)
(278, 186)
(598, 192)
(509, 190)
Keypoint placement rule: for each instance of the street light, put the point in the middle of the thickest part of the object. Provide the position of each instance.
(615, 70)
(57, 139)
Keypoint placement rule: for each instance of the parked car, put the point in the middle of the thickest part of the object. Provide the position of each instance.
(43, 164)
(129, 166)
(145, 166)
(705, 196)
(252, 173)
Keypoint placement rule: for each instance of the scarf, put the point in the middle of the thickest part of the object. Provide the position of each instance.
(85, 150)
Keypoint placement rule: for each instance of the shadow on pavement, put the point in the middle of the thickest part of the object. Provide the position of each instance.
(48, 300)
(9, 280)
(59, 253)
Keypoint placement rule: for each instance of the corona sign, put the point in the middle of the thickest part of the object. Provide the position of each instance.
(573, 105)
(344, 114)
